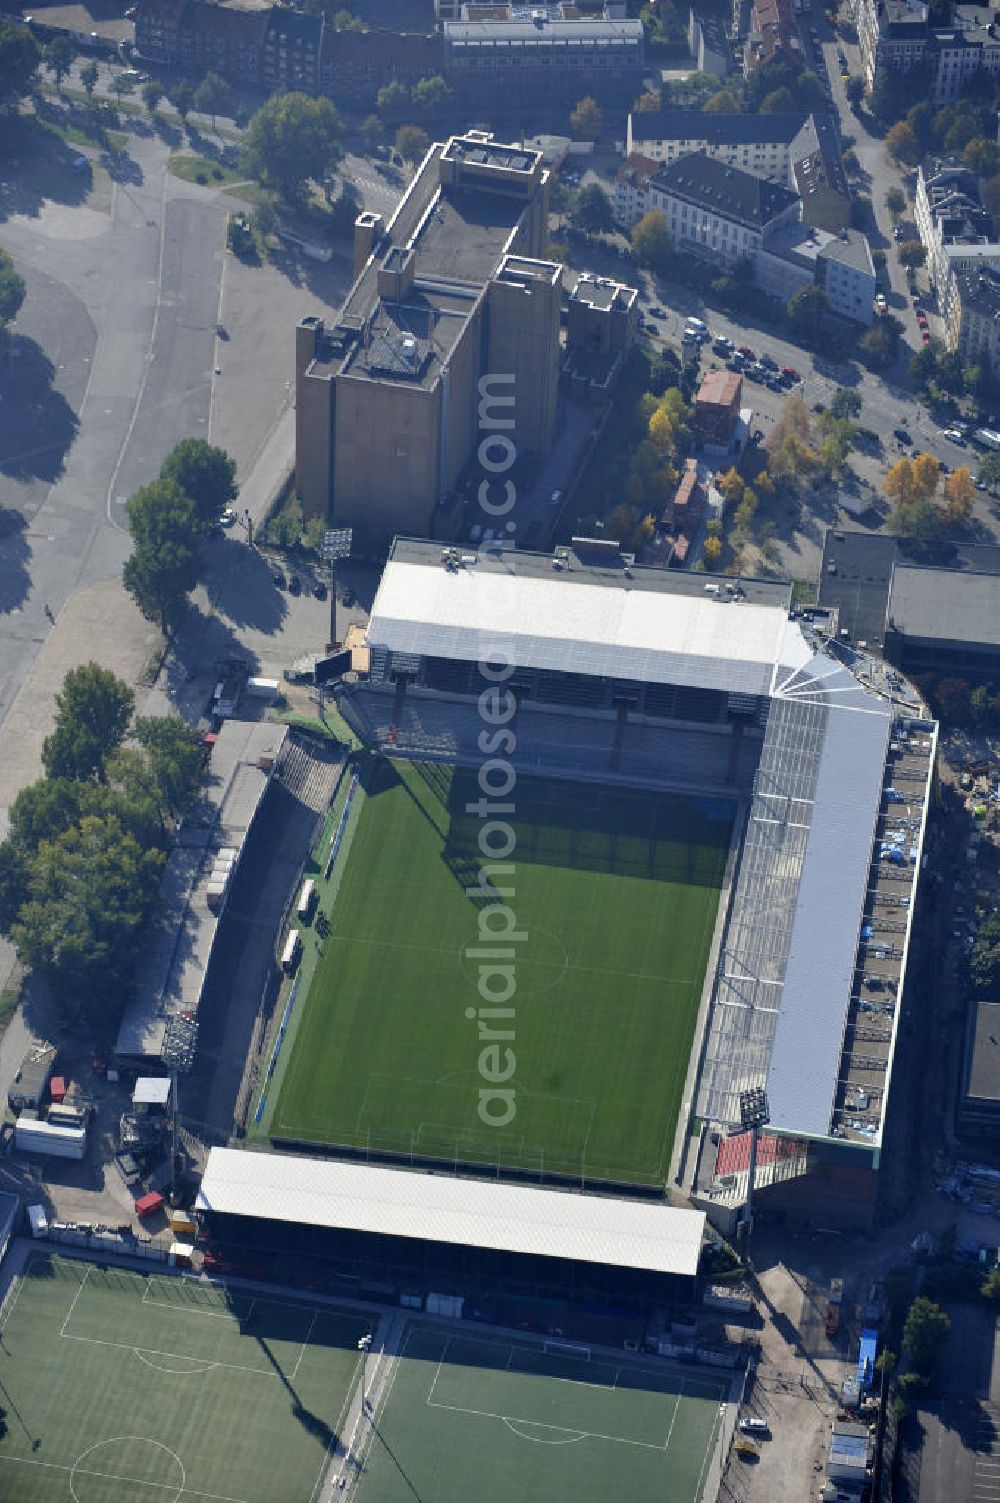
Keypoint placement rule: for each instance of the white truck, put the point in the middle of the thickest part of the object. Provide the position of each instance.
(33, 1136)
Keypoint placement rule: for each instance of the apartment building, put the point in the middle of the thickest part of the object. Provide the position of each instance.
(957, 233)
(892, 35)
(797, 255)
(453, 289)
(773, 36)
(720, 212)
(799, 150)
(630, 195)
(356, 64)
(896, 35)
(973, 318)
(541, 51)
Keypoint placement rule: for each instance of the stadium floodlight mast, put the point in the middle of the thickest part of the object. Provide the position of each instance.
(754, 1114)
(180, 1040)
(364, 1347)
(336, 544)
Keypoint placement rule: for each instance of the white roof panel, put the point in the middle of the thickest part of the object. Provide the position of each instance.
(464, 1212)
(558, 623)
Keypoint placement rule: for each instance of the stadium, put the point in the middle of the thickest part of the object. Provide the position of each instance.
(680, 835)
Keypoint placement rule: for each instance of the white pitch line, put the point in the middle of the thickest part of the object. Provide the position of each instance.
(69, 1313)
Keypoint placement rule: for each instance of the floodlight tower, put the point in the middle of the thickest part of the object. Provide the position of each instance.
(336, 544)
(754, 1114)
(364, 1347)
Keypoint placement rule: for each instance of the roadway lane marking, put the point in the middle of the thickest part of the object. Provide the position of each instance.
(147, 362)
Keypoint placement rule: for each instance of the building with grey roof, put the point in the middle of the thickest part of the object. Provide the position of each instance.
(957, 233)
(897, 36)
(171, 977)
(979, 1106)
(943, 618)
(720, 212)
(453, 288)
(797, 254)
(538, 47)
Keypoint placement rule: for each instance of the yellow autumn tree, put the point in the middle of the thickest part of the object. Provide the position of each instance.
(926, 474)
(712, 551)
(959, 495)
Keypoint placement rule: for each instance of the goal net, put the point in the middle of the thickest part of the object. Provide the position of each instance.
(567, 1349)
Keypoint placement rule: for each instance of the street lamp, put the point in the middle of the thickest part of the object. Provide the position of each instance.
(336, 544)
(754, 1114)
(364, 1347)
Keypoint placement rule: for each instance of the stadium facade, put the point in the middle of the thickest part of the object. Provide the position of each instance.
(674, 681)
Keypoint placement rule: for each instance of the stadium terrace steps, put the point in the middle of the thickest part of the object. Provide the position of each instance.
(665, 755)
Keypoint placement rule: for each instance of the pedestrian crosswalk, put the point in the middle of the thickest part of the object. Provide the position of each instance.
(986, 1487)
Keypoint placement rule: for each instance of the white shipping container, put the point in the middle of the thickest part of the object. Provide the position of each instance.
(290, 954)
(44, 1137)
(306, 899)
(262, 688)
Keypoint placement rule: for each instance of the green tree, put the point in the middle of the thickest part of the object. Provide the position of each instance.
(60, 55)
(806, 310)
(290, 140)
(990, 1290)
(205, 473)
(12, 291)
(591, 210)
(879, 345)
(924, 1335)
(20, 55)
(44, 810)
(120, 85)
(212, 96)
(846, 404)
(432, 95)
(411, 142)
(912, 254)
(919, 519)
(809, 92)
(89, 894)
(981, 704)
(161, 773)
(984, 959)
(781, 102)
(651, 240)
(89, 75)
(854, 88)
(989, 471)
(587, 120)
(720, 103)
(981, 156)
(152, 92)
(647, 103)
(902, 145)
(393, 101)
(93, 710)
(895, 202)
(182, 96)
(371, 131)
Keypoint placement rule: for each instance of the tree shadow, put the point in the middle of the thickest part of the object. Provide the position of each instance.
(15, 581)
(240, 586)
(36, 165)
(122, 168)
(168, 133)
(37, 424)
(200, 639)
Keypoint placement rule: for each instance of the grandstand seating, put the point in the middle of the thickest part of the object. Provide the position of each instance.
(577, 744)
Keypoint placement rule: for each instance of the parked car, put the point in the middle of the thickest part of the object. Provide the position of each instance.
(902, 435)
(768, 363)
(295, 585)
(319, 589)
(228, 517)
(746, 352)
(790, 373)
(953, 436)
(278, 576)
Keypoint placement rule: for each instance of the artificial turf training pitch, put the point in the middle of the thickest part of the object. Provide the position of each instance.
(616, 892)
(472, 1416)
(121, 1387)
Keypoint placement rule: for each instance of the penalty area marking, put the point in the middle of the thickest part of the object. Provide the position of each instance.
(181, 1372)
(168, 1487)
(566, 1439)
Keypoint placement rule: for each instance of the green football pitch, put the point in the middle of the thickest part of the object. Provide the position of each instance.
(122, 1387)
(615, 893)
(475, 1417)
